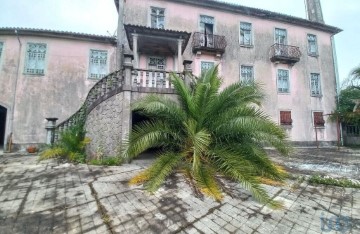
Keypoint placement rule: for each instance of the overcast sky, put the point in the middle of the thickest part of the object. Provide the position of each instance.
(100, 17)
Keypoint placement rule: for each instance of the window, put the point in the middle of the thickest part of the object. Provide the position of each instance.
(283, 81)
(35, 59)
(205, 66)
(285, 118)
(157, 17)
(280, 36)
(98, 64)
(247, 74)
(312, 44)
(1, 48)
(315, 84)
(207, 24)
(245, 34)
(319, 119)
(157, 63)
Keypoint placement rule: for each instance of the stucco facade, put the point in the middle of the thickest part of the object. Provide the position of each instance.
(161, 36)
(186, 16)
(58, 92)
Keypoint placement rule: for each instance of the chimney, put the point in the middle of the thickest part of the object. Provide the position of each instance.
(314, 12)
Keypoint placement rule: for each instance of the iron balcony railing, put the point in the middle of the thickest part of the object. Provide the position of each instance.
(285, 53)
(208, 42)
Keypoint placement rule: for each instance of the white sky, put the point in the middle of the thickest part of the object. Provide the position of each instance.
(100, 17)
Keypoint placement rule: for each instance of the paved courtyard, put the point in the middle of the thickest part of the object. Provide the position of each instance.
(47, 197)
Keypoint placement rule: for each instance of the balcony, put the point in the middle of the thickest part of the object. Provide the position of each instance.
(280, 53)
(209, 43)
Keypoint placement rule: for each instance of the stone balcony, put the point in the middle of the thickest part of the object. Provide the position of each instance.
(287, 54)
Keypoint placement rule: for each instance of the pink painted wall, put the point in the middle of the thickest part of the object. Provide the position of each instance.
(298, 100)
(58, 93)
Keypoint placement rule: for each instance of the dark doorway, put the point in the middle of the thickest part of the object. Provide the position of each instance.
(3, 113)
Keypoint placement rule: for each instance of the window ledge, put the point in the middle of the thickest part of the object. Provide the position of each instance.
(319, 127)
(246, 46)
(316, 96)
(281, 93)
(93, 79)
(313, 55)
(31, 74)
(286, 126)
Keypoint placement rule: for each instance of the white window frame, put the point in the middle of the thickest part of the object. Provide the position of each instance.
(317, 92)
(288, 81)
(102, 74)
(157, 17)
(252, 79)
(316, 52)
(275, 36)
(203, 61)
(242, 43)
(43, 61)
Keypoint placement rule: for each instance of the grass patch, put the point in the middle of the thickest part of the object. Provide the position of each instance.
(342, 182)
(106, 161)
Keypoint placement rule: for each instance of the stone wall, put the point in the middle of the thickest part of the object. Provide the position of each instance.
(104, 126)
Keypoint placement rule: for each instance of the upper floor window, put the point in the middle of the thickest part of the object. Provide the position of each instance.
(247, 74)
(245, 34)
(157, 63)
(205, 66)
(312, 44)
(35, 59)
(157, 17)
(1, 48)
(98, 64)
(315, 84)
(285, 118)
(280, 36)
(283, 83)
(318, 119)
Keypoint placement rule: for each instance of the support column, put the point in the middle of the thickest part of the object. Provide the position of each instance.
(135, 50)
(50, 128)
(180, 42)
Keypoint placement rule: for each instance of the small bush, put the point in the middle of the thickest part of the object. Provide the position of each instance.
(107, 161)
(342, 182)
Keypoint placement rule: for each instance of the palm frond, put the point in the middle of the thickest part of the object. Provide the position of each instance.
(205, 178)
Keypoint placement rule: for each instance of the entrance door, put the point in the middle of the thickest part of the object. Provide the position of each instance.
(3, 112)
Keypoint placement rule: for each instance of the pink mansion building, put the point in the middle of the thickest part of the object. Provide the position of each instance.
(46, 73)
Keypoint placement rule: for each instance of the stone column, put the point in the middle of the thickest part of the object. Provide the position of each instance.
(50, 128)
(187, 71)
(135, 50)
(180, 42)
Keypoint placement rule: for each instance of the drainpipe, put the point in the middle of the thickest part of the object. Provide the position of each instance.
(120, 35)
(15, 85)
(337, 84)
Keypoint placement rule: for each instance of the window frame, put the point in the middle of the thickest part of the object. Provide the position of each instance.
(286, 36)
(157, 16)
(206, 61)
(316, 53)
(253, 74)
(106, 67)
(2, 52)
(285, 123)
(156, 57)
(288, 81)
(319, 94)
(322, 124)
(26, 62)
(251, 35)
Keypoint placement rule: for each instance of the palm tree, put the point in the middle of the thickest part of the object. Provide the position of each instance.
(207, 134)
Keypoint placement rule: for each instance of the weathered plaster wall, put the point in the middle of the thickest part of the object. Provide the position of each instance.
(58, 93)
(298, 100)
(104, 127)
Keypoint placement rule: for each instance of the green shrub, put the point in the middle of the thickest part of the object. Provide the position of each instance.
(341, 182)
(107, 161)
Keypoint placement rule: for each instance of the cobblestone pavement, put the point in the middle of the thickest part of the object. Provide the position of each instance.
(47, 197)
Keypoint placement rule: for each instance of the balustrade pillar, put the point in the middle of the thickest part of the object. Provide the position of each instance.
(187, 71)
(50, 128)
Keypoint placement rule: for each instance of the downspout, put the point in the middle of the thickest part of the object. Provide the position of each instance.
(15, 86)
(337, 83)
(120, 35)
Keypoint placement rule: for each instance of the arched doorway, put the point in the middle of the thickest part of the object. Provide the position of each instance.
(3, 112)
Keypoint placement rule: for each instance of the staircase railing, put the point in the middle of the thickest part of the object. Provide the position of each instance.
(152, 78)
(101, 89)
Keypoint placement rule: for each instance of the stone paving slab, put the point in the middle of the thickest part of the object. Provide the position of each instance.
(47, 197)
